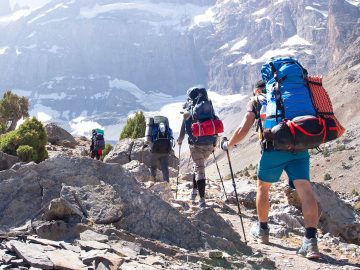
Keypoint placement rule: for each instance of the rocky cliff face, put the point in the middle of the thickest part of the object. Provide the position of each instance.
(102, 59)
(247, 33)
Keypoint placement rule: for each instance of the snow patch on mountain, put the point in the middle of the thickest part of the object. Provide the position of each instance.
(355, 3)
(204, 19)
(247, 59)
(17, 15)
(3, 50)
(295, 41)
(171, 14)
(238, 45)
(126, 86)
(323, 13)
(61, 5)
(259, 12)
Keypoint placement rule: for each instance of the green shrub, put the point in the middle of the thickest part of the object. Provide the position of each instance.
(327, 176)
(355, 192)
(26, 153)
(134, 127)
(31, 133)
(108, 148)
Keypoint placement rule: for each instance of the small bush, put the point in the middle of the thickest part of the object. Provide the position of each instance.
(26, 153)
(327, 177)
(31, 133)
(355, 192)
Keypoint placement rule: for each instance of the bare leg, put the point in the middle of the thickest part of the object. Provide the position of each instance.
(262, 200)
(308, 203)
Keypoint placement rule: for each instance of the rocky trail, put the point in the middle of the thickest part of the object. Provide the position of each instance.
(72, 212)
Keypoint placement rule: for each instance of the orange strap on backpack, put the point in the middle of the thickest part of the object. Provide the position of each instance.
(322, 102)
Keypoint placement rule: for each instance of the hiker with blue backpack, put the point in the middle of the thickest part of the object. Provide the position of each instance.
(159, 134)
(291, 117)
(97, 143)
(202, 127)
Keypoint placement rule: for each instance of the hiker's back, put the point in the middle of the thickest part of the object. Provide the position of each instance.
(161, 135)
(98, 140)
(202, 125)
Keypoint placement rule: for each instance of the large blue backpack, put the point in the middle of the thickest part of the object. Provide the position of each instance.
(287, 91)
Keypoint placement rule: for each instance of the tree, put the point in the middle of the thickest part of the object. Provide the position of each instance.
(134, 127)
(12, 109)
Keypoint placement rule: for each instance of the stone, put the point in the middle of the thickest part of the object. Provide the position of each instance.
(154, 260)
(223, 234)
(109, 260)
(59, 230)
(61, 209)
(88, 245)
(125, 249)
(246, 193)
(336, 217)
(44, 241)
(215, 254)
(33, 254)
(140, 171)
(7, 161)
(66, 259)
(135, 265)
(163, 190)
(59, 136)
(288, 217)
(90, 235)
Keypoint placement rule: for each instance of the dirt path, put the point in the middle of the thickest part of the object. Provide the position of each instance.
(280, 250)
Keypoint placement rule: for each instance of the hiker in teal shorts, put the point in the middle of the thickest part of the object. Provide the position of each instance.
(270, 167)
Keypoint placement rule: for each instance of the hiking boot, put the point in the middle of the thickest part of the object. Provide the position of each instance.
(262, 235)
(202, 203)
(193, 195)
(309, 249)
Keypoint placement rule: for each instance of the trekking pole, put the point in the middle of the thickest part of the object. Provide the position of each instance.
(236, 195)
(177, 178)
(220, 176)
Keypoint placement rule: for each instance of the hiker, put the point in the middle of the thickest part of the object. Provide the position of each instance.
(160, 135)
(198, 110)
(270, 167)
(97, 143)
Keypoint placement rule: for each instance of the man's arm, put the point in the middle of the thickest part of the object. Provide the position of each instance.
(243, 129)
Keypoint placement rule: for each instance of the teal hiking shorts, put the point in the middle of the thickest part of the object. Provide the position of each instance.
(273, 163)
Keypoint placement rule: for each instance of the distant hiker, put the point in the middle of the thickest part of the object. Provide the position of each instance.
(202, 126)
(159, 134)
(265, 108)
(97, 143)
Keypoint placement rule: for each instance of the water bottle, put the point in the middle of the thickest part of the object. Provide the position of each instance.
(263, 111)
